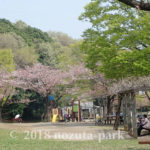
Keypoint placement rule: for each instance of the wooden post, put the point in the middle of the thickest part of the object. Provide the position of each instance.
(125, 99)
(133, 115)
(105, 111)
(108, 109)
(129, 112)
(94, 113)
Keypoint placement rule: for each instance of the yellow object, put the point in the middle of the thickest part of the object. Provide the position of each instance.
(54, 118)
(55, 111)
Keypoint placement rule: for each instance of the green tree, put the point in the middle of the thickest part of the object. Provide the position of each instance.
(11, 41)
(48, 53)
(6, 60)
(20, 24)
(71, 55)
(117, 38)
(6, 65)
(25, 56)
(30, 35)
(62, 38)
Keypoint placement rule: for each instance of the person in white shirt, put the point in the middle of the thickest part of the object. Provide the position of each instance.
(17, 116)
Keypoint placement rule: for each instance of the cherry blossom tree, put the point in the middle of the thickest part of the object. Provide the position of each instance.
(44, 79)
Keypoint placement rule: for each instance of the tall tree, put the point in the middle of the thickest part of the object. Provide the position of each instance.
(6, 66)
(49, 53)
(119, 36)
(118, 42)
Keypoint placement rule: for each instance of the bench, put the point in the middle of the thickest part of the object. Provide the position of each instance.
(144, 140)
(109, 119)
(147, 129)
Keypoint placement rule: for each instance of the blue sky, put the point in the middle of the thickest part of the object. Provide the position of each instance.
(54, 15)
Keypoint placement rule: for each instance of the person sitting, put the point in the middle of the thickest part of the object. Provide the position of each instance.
(144, 124)
(98, 120)
(139, 120)
(17, 118)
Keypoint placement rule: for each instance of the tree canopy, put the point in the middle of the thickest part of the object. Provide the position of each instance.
(29, 34)
(6, 60)
(117, 44)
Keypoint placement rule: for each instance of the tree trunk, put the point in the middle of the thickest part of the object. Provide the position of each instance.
(108, 109)
(0, 114)
(105, 110)
(117, 121)
(125, 99)
(146, 93)
(47, 112)
(42, 116)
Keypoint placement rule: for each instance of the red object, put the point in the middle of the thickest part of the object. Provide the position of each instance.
(17, 119)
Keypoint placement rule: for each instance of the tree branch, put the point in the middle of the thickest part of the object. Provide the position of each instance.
(137, 4)
(25, 101)
(146, 93)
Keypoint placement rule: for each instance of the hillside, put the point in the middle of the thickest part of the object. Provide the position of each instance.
(29, 34)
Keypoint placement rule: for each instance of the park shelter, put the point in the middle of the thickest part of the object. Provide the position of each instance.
(126, 90)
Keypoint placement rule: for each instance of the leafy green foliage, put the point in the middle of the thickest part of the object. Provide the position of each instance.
(71, 55)
(48, 53)
(25, 57)
(128, 64)
(6, 64)
(28, 111)
(6, 60)
(118, 42)
(11, 41)
(61, 38)
(29, 34)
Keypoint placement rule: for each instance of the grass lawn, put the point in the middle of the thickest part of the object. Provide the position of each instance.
(19, 143)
